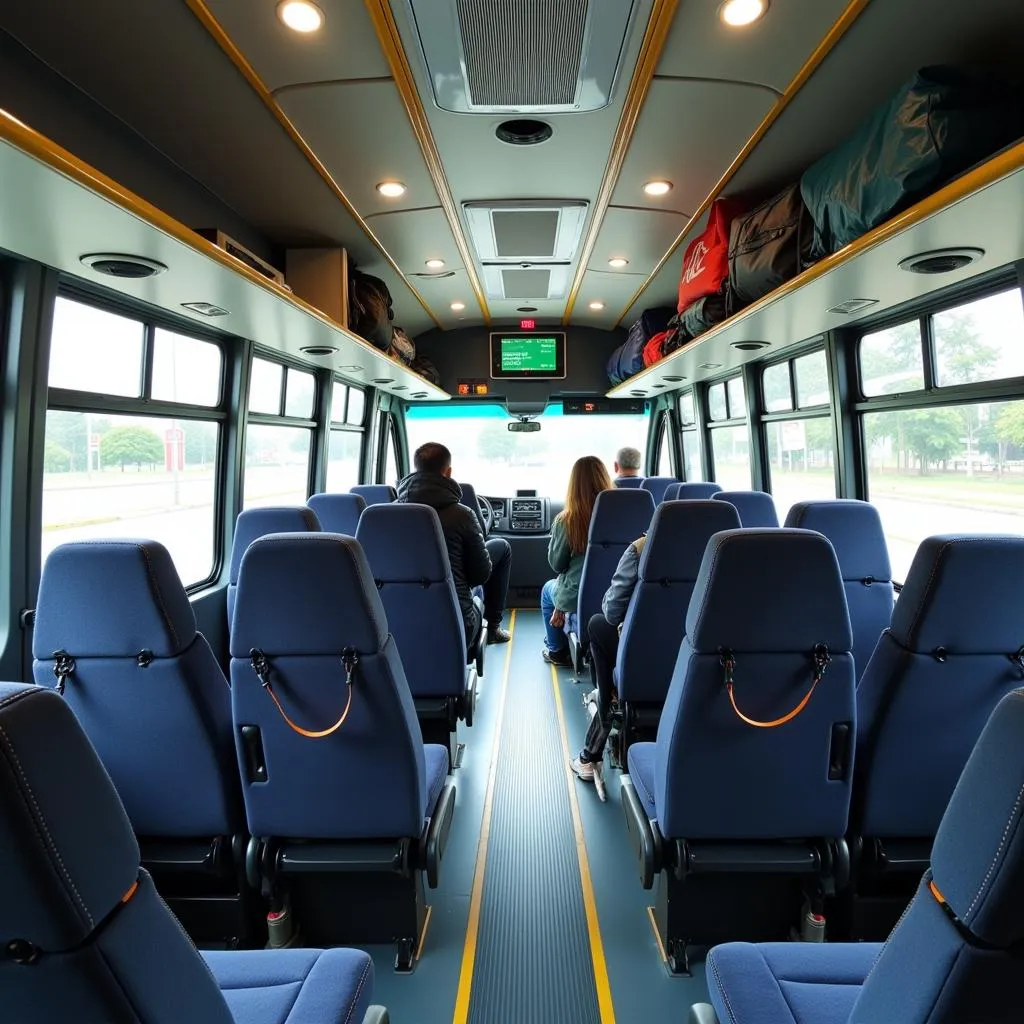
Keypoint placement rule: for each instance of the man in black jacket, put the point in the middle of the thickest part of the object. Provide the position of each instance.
(474, 561)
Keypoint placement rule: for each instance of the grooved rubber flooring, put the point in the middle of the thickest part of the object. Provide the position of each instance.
(533, 961)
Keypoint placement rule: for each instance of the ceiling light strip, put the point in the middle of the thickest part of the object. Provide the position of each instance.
(248, 72)
(823, 49)
(658, 28)
(391, 43)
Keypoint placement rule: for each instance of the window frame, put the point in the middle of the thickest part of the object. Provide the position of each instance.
(343, 426)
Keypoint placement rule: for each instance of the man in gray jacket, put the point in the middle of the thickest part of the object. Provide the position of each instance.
(604, 629)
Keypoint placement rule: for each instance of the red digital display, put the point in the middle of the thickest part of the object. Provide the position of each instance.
(480, 389)
(463, 389)
(527, 325)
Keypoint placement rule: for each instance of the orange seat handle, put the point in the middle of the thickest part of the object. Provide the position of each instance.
(821, 658)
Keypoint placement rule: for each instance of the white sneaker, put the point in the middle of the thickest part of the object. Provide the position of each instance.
(598, 773)
(583, 769)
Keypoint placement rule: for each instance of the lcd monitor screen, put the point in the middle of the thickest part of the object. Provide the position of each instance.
(533, 356)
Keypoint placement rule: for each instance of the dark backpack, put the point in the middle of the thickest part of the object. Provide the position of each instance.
(425, 368)
(369, 309)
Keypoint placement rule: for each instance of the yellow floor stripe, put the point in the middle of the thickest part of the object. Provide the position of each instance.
(601, 983)
(476, 900)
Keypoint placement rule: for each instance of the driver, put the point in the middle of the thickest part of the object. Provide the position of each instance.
(473, 561)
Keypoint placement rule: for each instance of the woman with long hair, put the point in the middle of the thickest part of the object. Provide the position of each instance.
(589, 477)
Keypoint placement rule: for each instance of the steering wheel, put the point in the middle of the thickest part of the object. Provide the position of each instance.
(488, 514)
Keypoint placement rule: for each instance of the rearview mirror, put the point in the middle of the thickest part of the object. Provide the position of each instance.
(524, 426)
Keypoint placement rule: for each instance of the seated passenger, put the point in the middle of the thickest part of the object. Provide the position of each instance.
(605, 628)
(566, 551)
(627, 467)
(474, 561)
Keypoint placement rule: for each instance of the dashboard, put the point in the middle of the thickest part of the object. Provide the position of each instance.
(522, 516)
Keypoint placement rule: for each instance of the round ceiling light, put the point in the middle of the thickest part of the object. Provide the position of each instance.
(749, 346)
(391, 189)
(318, 350)
(122, 265)
(300, 15)
(738, 13)
(596, 305)
(523, 132)
(941, 261)
(435, 264)
(526, 309)
(658, 188)
(618, 262)
(458, 307)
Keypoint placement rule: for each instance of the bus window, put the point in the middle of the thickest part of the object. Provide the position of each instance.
(345, 443)
(665, 451)
(689, 438)
(391, 474)
(95, 350)
(980, 341)
(186, 369)
(891, 361)
(730, 444)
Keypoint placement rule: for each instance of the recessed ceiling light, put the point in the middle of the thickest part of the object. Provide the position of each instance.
(351, 369)
(941, 261)
(526, 309)
(122, 264)
(597, 305)
(300, 15)
(383, 380)
(458, 306)
(435, 264)
(618, 261)
(418, 394)
(750, 346)
(318, 350)
(391, 189)
(737, 13)
(658, 188)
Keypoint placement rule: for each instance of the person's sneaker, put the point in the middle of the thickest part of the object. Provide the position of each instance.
(584, 769)
(498, 635)
(598, 769)
(559, 658)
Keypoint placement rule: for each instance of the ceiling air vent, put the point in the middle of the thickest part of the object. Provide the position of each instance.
(525, 56)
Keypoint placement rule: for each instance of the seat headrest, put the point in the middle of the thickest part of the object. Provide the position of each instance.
(111, 599)
(679, 534)
(855, 530)
(306, 593)
(978, 854)
(337, 513)
(963, 593)
(375, 494)
(766, 591)
(658, 485)
(404, 543)
(258, 522)
(68, 855)
(692, 490)
(620, 516)
(756, 508)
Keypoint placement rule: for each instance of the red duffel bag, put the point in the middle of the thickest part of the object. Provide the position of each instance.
(706, 260)
(655, 348)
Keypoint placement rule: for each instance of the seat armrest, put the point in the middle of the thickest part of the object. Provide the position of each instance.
(469, 697)
(702, 1013)
(378, 1015)
(436, 840)
(644, 835)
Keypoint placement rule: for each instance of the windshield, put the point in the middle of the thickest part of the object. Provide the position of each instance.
(498, 463)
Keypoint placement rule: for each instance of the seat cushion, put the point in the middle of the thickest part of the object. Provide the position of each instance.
(787, 982)
(436, 758)
(641, 771)
(293, 986)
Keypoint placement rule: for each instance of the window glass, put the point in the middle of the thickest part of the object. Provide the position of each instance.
(811, 380)
(945, 469)
(716, 402)
(691, 455)
(299, 396)
(265, 387)
(391, 459)
(731, 449)
(115, 476)
(737, 400)
(276, 465)
(343, 459)
(356, 404)
(801, 461)
(664, 453)
(686, 414)
(775, 381)
(980, 341)
(339, 393)
(93, 350)
(891, 360)
(185, 369)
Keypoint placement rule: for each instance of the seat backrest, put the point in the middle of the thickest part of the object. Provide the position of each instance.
(658, 485)
(337, 513)
(692, 490)
(756, 508)
(855, 530)
(769, 597)
(375, 494)
(144, 684)
(86, 936)
(629, 481)
(409, 560)
(258, 522)
(655, 622)
(469, 499)
(952, 652)
(304, 600)
(618, 519)
(955, 954)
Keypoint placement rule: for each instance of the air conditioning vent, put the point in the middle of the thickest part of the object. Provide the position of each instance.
(524, 56)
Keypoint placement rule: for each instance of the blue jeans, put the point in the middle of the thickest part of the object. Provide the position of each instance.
(554, 639)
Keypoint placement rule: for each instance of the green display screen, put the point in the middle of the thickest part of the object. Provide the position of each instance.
(529, 355)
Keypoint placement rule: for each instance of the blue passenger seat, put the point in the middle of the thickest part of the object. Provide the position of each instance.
(953, 958)
(658, 485)
(375, 494)
(953, 650)
(258, 522)
(86, 936)
(409, 560)
(337, 781)
(692, 490)
(756, 508)
(855, 530)
(116, 635)
(470, 500)
(741, 803)
(337, 512)
(629, 481)
(656, 618)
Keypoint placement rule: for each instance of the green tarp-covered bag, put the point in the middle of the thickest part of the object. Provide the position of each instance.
(938, 125)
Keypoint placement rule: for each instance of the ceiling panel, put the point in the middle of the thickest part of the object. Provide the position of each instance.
(769, 52)
(346, 46)
(641, 236)
(689, 132)
(339, 120)
(415, 236)
(613, 289)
